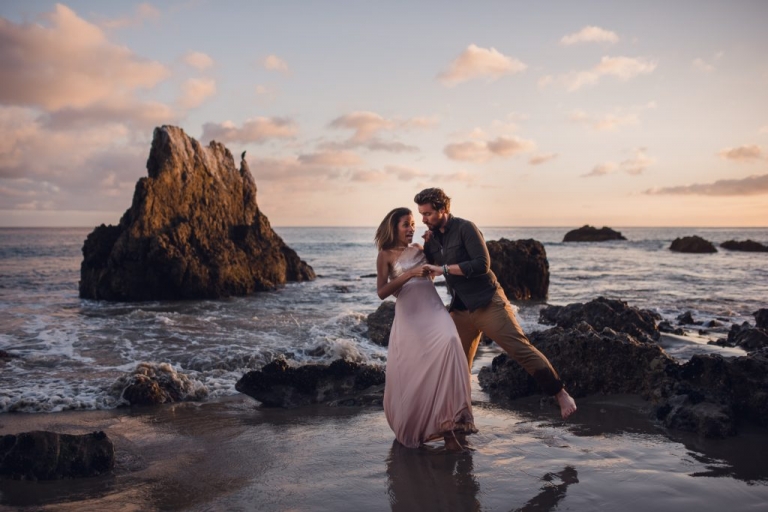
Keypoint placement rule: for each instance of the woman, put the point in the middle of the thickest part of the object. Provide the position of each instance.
(427, 392)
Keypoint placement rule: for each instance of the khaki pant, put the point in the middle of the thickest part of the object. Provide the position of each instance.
(497, 320)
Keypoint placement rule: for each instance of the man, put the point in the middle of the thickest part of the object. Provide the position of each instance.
(456, 248)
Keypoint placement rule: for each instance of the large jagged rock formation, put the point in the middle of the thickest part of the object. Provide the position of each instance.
(194, 231)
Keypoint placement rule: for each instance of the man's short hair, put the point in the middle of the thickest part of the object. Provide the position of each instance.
(434, 196)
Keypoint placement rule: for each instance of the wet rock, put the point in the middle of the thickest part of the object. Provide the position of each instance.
(602, 312)
(710, 395)
(589, 233)
(521, 268)
(687, 319)
(41, 455)
(713, 323)
(665, 326)
(340, 383)
(747, 245)
(761, 318)
(340, 288)
(693, 244)
(588, 361)
(193, 231)
(380, 323)
(157, 384)
(7, 355)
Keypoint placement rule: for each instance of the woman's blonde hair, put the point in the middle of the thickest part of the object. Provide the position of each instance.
(386, 234)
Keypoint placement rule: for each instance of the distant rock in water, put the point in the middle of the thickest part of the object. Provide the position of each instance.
(521, 267)
(194, 231)
(761, 318)
(747, 246)
(694, 244)
(589, 233)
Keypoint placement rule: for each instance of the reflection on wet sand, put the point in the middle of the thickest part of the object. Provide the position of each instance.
(551, 494)
(423, 479)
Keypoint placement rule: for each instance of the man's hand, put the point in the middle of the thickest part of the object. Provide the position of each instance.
(427, 236)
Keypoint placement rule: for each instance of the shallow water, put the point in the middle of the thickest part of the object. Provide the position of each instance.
(73, 350)
(231, 455)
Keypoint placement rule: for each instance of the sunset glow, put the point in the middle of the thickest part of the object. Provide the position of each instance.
(560, 114)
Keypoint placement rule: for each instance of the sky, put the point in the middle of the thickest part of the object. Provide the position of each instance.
(650, 113)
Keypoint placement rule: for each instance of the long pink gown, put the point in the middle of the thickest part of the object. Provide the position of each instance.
(427, 391)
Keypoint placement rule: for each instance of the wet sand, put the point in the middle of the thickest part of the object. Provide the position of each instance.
(233, 455)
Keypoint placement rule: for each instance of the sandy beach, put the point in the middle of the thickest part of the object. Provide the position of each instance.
(231, 454)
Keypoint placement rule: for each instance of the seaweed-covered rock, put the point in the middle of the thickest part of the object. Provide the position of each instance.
(589, 233)
(746, 245)
(342, 382)
(41, 455)
(157, 384)
(693, 244)
(193, 231)
(521, 267)
(602, 312)
(380, 323)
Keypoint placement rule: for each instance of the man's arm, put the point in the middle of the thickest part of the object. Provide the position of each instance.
(479, 262)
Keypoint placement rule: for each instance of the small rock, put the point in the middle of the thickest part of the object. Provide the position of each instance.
(692, 244)
(589, 233)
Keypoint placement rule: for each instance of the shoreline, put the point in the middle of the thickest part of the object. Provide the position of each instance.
(232, 454)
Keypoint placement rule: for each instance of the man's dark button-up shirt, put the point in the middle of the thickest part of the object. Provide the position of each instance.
(463, 244)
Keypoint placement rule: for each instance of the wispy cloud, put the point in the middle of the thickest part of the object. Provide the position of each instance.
(638, 162)
(198, 60)
(601, 170)
(275, 63)
(367, 128)
(541, 159)
(702, 65)
(144, 12)
(196, 91)
(750, 186)
(481, 151)
(605, 122)
(476, 62)
(590, 34)
(69, 63)
(257, 130)
(331, 159)
(746, 153)
(622, 68)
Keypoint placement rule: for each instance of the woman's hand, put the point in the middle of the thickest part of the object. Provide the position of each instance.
(433, 270)
(418, 272)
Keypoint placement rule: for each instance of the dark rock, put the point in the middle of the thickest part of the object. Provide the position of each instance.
(380, 323)
(665, 326)
(194, 231)
(589, 233)
(601, 313)
(366, 276)
(686, 319)
(521, 268)
(157, 384)
(713, 323)
(694, 244)
(747, 245)
(340, 288)
(746, 337)
(761, 318)
(7, 355)
(41, 455)
(709, 394)
(340, 383)
(588, 361)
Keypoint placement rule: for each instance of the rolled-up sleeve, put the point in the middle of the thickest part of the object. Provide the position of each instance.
(479, 262)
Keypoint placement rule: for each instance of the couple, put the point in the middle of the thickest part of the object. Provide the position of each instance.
(427, 392)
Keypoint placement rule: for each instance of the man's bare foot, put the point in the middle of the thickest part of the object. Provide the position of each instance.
(566, 402)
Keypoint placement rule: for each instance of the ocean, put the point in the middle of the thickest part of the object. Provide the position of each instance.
(71, 351)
